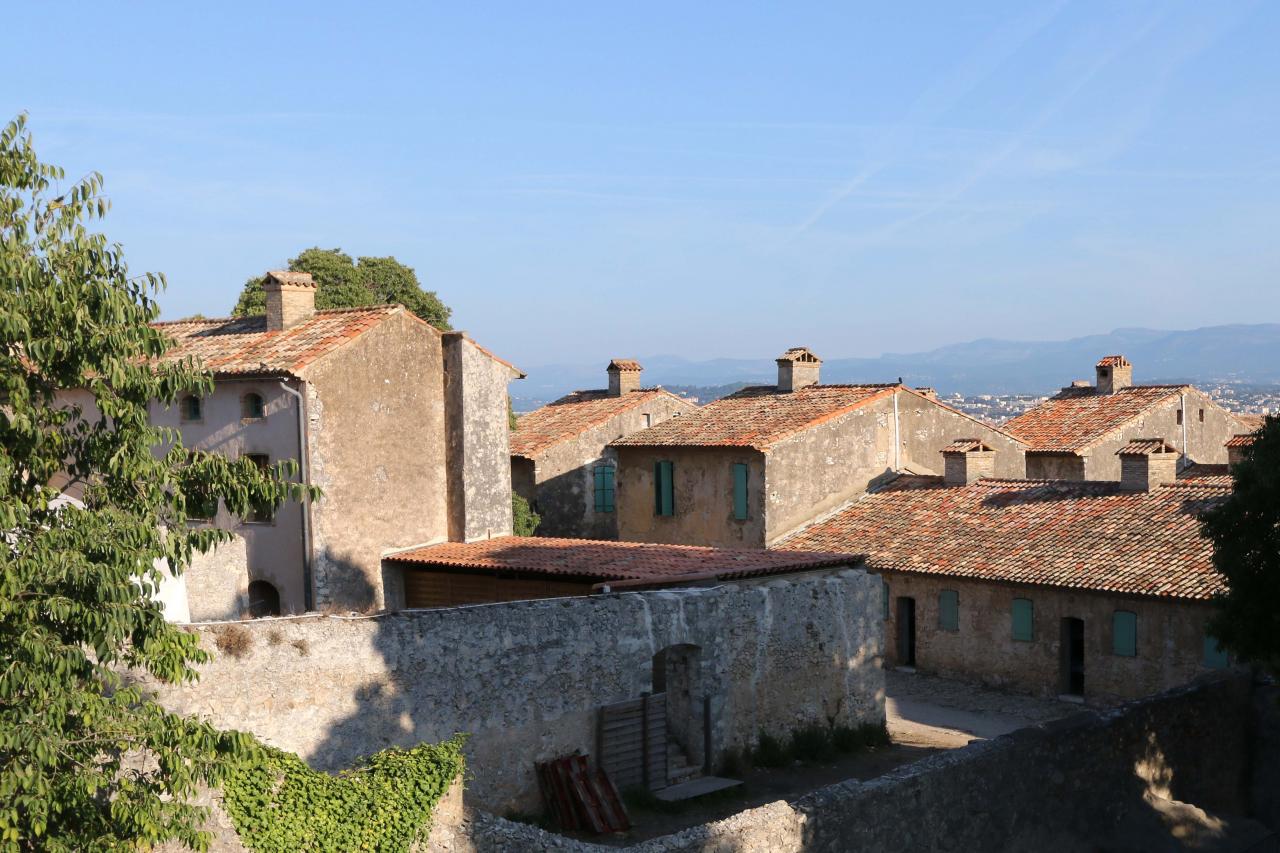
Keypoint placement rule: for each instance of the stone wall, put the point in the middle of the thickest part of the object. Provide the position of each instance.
(525, 679)
(376, 431)
(217, 583)
(1098, 780)
(1170, 638)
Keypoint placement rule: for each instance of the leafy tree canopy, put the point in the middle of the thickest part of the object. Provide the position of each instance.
(86, 761)
(1245, 531)
(344, 283)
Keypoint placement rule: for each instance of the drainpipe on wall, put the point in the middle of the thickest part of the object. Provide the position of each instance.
(897, 438)
(304, 471)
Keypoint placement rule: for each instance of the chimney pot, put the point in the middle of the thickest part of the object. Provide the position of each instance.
(291, 299)
(624, 376)
(966, 461)
(798, 368)
(1147, 463)
(1114, 373)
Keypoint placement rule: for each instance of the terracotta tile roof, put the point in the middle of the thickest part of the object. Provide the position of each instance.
(966, 445)
(1075, 535)
(571, 416)
(757, 416)
(1241, 440)
(1076, 418)
(1146, 447)
(618, 561)
(1114, 361)
(801, 354)
(296, 279)
(1251, 422)
(1200, 470)
(242, 345)
(624, 364)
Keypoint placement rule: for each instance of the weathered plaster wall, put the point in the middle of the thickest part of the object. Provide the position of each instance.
(1091, 782)
(703, 480)
(525, 678)
(926, 427)
(479, 441)
(1170, 648)
(217, 583)
(377, 435)
(1057, 466)
(565, 491)
(1205, 440)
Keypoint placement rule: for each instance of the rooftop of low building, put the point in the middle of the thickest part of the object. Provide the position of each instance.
(574, 414)
(1067, 534)
(1078, 417)
(632, 563)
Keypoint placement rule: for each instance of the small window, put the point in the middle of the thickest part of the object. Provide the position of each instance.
(251, 407)
(1124, 633)
(190, 408)
(740, 491)
(664, 493)
(1202, 416)
(949, 610)
(884, 588)
(1023, 620)
(264, 599)
(261, 514)
(1179, 417)
(1215, 657)
(648, 420)
(604, 489)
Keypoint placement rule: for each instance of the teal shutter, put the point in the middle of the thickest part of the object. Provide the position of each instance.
(1023, 620)
(1124, 633)
(1214, 655)
(949, 610)
(604, 489)
(740, 491)
(884, 586)
(664, 497)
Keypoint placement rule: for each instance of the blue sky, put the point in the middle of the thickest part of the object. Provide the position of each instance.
(580, 181)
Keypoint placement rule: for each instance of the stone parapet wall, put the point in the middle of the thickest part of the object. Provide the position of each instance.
(525, 679)
(1090, 781)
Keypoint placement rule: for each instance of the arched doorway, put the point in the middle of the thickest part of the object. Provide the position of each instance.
(264, 599)
(677, 672)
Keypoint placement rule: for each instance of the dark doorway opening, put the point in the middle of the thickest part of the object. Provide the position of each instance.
(1073, 656)
(264, 600)
(906, 632)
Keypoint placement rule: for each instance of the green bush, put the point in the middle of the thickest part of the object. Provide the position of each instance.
(279, 804)
(811, 743)
(857, 738)
(769, 752)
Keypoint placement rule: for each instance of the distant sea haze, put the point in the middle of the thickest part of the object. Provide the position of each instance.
(1237, 354)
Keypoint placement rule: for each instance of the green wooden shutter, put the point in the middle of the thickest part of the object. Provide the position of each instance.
(664, 497)
(740, 491)
(949, 610)
(1023, 620)
(604, 488)
(1215, 657)
(1124, 633)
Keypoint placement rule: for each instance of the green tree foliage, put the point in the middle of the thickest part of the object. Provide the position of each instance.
(1245, 531)
(524, 519)
(344, 283)
(86, 761)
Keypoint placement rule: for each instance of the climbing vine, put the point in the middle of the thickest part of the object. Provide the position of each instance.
(278, 803)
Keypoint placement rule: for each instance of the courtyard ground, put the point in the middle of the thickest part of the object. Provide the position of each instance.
(924, 714)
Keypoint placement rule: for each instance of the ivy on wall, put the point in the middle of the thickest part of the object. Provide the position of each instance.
(279, 805)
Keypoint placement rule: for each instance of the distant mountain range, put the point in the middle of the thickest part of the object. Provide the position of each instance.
(1248, 354)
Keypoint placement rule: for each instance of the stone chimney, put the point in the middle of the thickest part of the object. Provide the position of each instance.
(1114, 373)
(1147, 463)
(797, 368)
(291, 299)
(1236, 447)
(624, 376)
(966, 461)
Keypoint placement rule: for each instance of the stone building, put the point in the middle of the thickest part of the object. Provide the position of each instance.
(513, 568)
(560, 458)
(1075, 434)
(755, 466)
(403, 427)
(1097, 590)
